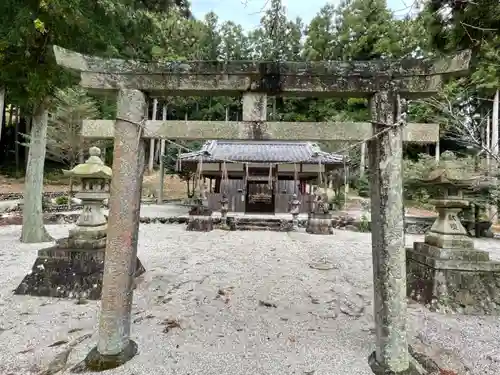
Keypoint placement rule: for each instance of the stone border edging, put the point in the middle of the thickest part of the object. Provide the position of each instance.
(18, 196)
(57, 217)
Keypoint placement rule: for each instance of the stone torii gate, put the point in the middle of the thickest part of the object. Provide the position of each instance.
(383, 82)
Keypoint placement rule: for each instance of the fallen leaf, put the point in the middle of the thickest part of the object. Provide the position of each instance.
(26, 351)
(267, 304)
(58, 343)
(170, 324)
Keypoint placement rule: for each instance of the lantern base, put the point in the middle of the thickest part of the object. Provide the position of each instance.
(461, 281)
(319, 223)
(68, 273)
(200, 223)
(414, 368)
(98, 362)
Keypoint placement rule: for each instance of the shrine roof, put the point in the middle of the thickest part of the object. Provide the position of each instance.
(263, 151)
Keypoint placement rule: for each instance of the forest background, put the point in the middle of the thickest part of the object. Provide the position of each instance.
(165, 30)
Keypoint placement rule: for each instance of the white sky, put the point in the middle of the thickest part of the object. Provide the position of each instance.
(247, 12)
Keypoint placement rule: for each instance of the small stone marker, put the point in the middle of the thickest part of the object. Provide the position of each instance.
(200, 216)
(445, 270)
(73, 268)
(224, 208)
(295, 210)
(320, 219)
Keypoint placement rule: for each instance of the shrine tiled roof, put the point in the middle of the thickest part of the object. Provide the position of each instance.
(263, 151)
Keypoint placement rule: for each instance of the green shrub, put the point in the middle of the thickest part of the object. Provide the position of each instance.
(363, 187)
(364, 225)
(337, 201)
(62, 200)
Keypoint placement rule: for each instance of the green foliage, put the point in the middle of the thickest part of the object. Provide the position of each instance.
(364, 224)
(337, 201)
(455, 25)
(64, 141)
(362, 185)
(164, 30)
(107, 27)
(62, 200)
(170, 158)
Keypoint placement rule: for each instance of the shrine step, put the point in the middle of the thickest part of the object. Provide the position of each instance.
(257, 224)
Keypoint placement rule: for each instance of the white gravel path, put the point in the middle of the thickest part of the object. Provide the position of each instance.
(212, 283)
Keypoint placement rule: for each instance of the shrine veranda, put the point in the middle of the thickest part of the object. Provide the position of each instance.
(387, 85)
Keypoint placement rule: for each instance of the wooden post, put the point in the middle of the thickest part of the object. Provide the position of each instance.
(2, 107)
(16, 114)
(362, 160)
(162, 163)
(488, 142)
(388, 246)
(494, 147)
(114, 346)
(152, 140)
(437, 154)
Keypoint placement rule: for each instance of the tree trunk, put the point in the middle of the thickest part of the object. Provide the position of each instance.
(188, 187)
(2, 108)
(29, 123)
(70, 190)
(494, 147)
(16, 138)
(33, 229)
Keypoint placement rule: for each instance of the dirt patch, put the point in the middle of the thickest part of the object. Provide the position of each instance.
(173, 186)
(16, 185)
(420, 212)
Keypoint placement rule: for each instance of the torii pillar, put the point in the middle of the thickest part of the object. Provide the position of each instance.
(114, 346)
(388, 241)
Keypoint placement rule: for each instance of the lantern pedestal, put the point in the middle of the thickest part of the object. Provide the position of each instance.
(200, 219)
(446, 271)
(73, 268)
(319, 223)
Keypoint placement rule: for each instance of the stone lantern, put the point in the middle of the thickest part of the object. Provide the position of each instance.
(446, 270)
(320, 218)
(224, 208)
(200, 215)
(450, 178)
(295, 211)
(73, 268)
(95, 178)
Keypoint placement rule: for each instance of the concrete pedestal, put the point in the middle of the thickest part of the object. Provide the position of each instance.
(200, 219)
(63, 271)
(200, 223)
(455, 280)
(319, 223)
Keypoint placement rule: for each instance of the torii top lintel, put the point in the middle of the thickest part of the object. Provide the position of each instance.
(409, 77)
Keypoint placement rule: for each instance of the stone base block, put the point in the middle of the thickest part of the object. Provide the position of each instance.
(200, 210)
(417, 366)
(320, 224)
(200, 224)
(97, 362)
(464, 282)
(67, 273)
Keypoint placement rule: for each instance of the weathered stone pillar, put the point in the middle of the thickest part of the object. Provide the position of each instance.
(254, 107)
(114, 345)
(388, 250)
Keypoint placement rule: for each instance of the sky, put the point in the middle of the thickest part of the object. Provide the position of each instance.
(248, 12)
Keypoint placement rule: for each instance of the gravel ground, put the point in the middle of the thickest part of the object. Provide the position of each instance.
(316, 322)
